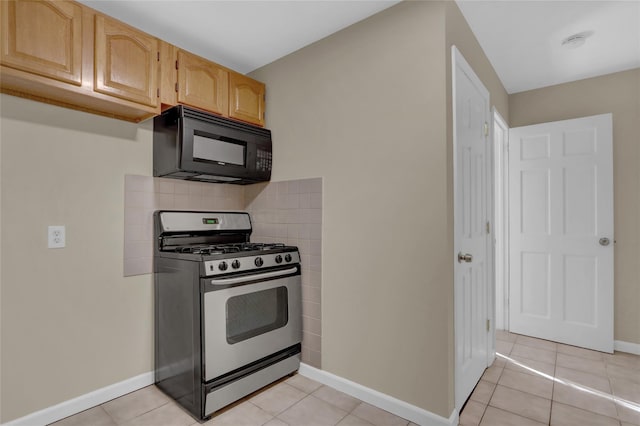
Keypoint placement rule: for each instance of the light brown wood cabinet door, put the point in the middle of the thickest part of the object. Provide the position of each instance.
(168, 74)
(43, 37)
(202, 84)
(126, 62)
(246, 99)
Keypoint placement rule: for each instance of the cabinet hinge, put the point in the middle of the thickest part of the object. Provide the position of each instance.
(176, 64)
(158, 92)
(158, 56)
(176, 87)
(486, 129)
(488, 325)
(488, 228)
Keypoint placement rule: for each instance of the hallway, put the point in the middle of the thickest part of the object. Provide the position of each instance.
(537, 382)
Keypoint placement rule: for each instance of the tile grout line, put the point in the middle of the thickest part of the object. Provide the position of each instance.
(494, 389)
(618, 407)
(103, 409)
(553, 386)
(139, 415)
(520, 414)
(487, 405)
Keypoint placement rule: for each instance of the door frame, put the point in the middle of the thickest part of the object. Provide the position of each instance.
(458, 59)
(501, 219)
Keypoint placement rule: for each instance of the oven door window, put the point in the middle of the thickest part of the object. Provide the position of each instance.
(256, 313)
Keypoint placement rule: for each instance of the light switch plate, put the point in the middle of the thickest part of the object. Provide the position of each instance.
(57, 236)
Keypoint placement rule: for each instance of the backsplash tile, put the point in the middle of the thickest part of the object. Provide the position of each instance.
(145, 194)
(289, 212)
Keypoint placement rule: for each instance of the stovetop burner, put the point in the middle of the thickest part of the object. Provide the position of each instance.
(212, 249)
(219, 241)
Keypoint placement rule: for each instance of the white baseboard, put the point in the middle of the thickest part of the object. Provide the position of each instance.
(632, 348)
(393, 405)
(399, 408)
(83, 402)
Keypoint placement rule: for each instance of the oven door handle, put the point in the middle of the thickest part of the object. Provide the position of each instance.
(262, 276)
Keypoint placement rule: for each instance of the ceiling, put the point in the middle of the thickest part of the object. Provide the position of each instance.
(522, 39)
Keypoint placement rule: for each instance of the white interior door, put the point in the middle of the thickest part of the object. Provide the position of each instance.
(472, 255)
(561, 231)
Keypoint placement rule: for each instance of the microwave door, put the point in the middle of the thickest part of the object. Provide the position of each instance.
(207, 150)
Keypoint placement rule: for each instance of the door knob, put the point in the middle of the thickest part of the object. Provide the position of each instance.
(465, 257)
(604, 241)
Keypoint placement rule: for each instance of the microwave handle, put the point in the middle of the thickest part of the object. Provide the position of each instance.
(264, 275)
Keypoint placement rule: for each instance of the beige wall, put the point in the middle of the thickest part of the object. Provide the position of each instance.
(619, 94)
(366, 108)
(71, 323)
(459, 34)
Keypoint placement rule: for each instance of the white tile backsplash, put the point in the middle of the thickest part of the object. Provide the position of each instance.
(145, 194)
(292, 212)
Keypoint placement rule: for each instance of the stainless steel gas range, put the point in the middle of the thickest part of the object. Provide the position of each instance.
(227, 311)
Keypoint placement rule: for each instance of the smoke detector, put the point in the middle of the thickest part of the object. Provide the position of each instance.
(576, 40)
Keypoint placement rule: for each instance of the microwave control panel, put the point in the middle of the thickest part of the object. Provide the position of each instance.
(263, 161)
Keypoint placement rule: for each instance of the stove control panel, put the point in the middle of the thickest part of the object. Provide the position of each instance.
(249, 263)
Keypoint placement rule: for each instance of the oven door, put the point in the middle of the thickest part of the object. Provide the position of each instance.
(247, 322)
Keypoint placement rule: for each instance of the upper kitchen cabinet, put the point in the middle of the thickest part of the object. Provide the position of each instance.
(191, 80)
(43, 38)
(126, 62)
(168, 74)
(64, 53)
(202, 84)
(67, 54)
(246, 99)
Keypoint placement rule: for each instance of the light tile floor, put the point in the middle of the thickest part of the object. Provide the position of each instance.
(536, 382)
(295, 401)
(533, 382)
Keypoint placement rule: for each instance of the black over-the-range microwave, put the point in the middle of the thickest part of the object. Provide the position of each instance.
(195, 145)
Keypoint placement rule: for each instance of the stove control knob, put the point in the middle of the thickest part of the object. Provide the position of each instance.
(235, 264)
(287, 257)
(222, 266)
(278, 259)
(259, 261)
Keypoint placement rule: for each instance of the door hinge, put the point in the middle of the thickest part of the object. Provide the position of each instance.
(176, 64)
(488, 228)
(176, 87)
(486, 129)
(488, 325)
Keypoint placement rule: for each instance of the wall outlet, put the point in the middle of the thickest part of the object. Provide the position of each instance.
(56, 236)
